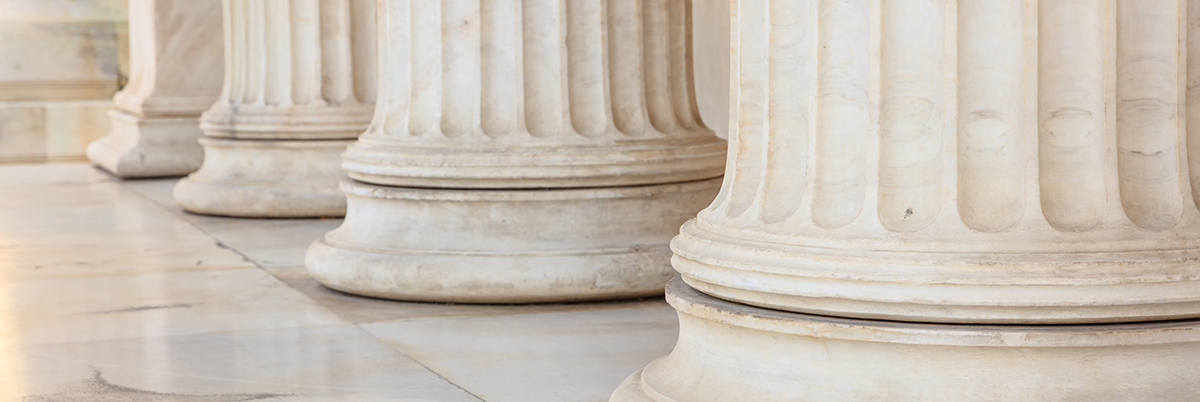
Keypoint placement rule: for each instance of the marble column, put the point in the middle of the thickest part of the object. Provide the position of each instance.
(299, 87)
(524, 151)
(175, 74)
(945, 200)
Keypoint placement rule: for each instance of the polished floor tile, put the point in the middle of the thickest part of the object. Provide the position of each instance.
(123, 306)
(52, 174)
(267, 242)
(551, 357)
(110, 292)
(341, 363)
(96, 229)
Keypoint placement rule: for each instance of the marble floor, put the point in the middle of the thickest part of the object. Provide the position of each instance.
(110, 292)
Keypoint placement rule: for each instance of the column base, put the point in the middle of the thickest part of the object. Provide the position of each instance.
(148, 147)
(506, 246)
(733, 352)
(266, 179)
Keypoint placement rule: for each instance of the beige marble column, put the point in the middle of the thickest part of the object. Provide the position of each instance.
(524, 151)
(299, 87)
(175, 75)
(944, 200)
(61, 61)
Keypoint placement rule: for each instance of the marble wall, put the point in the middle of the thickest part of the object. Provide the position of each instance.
(61, 61)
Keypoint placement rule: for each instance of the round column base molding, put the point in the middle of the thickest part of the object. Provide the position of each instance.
(534, 166)
(266, 179)
(1115, 284)
(506, 246)
(733, 352)
(286, 123)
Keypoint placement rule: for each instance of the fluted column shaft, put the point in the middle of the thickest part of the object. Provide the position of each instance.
(904, 175)
(299, 86)
(977, 174)
(175, 74)
(562, 137)
(518, 97)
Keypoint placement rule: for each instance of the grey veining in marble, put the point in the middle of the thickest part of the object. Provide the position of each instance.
(110, 292)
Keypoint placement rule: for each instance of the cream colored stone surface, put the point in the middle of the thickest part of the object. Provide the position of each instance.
(957, 175)
(110, 292)
(543, 151)
(575, 355)
(505, 246)
(711, 30)
(730, 352)
(955, 165)
(299, 85)
(37, 131)
(60, 49)
(60, 62)
(176, 75)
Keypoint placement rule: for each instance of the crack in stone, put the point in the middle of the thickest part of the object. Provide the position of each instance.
(98, 389)
(140, 308)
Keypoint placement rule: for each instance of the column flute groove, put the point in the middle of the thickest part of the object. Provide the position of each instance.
(569, 150)
(984, 264)
(1147, 121)
(1071, 113)
(991, 158)
(842, 118)
(272, 141)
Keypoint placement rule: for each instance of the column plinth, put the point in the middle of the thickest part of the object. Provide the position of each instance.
(175, 75)
(540, 151)
(731, 352)
(524, 246)
(946, 200)
(299, 87)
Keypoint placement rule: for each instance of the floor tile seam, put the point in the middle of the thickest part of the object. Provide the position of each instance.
(245, 257)
(230, 379)
(400, 320)
(384, 342)
(185, 217)
(107, 180)
(485, 315)
(221, 244)
(63, 183)
(129, 338)
(418, 362)
(8, 281)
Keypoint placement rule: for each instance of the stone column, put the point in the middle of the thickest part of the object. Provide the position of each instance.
(299, 87)
(907, 175)
(524, 151)
(175, 75)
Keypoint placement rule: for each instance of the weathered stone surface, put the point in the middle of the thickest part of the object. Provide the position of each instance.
(541, 151)
(175, 75)
(506, 246)
(61, 61)
(955, 165)
(951, 199)
(299, 85)
(729, 352)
